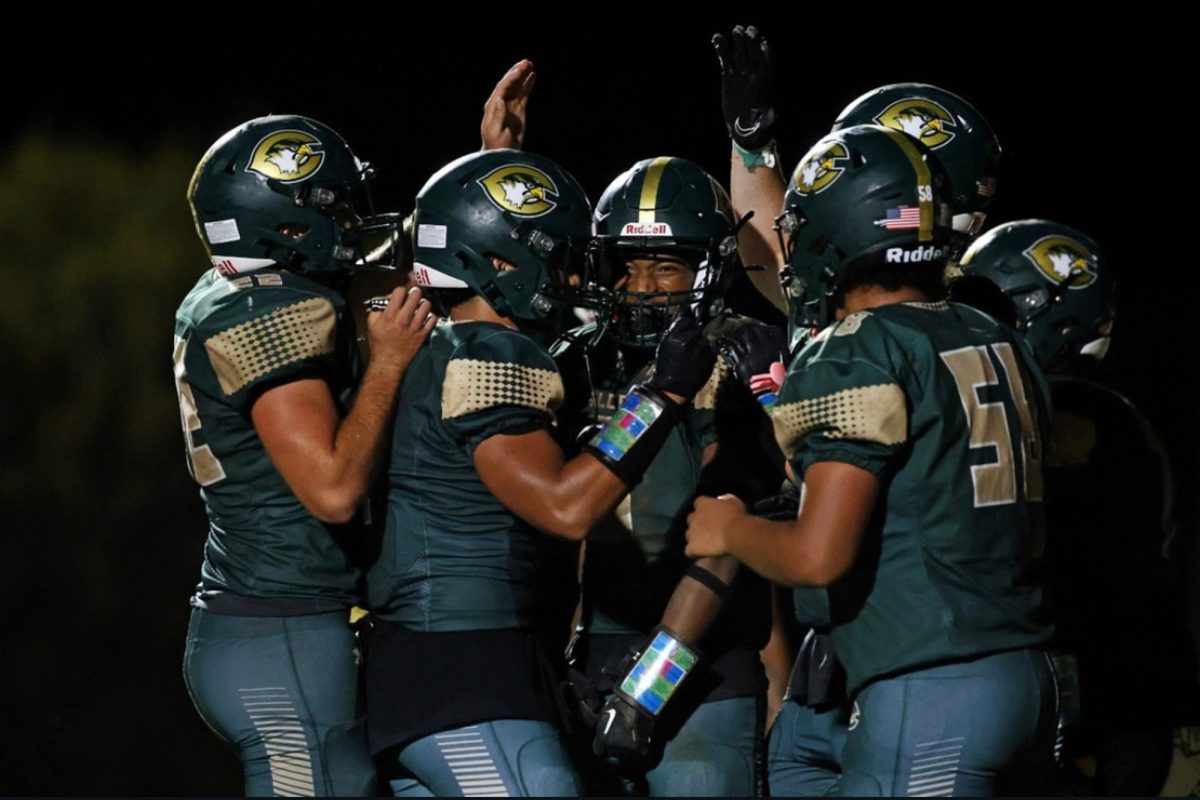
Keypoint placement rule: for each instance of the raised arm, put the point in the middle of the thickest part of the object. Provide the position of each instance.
(755, 180)
(503, 124)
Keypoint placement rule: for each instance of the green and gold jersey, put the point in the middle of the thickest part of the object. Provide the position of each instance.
(234, 338)
(635, 556)
(453, 557)
(943, 405)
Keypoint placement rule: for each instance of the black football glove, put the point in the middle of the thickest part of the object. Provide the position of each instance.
(684, 360)
(625, 734)
(745, 60)
(756, 352)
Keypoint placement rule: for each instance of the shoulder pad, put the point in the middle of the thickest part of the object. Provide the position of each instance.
(262, 330)
(706, 399)
(494, 367)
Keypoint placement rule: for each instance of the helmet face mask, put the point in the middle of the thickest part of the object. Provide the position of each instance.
(286, 191)
(1059, 292)
(644, 290)
(662, 210)
(514, 227)
(865, 196)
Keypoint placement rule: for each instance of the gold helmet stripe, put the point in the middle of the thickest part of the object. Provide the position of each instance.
(649, 198)
(924, 178)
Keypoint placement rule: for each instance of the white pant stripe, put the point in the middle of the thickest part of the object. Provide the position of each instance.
(939, 742)
(284, 740)
(941, 752)
(925, 766)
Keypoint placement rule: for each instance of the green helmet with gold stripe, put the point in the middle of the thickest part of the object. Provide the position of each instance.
(866, 200)
(948, 125)
(664, 206)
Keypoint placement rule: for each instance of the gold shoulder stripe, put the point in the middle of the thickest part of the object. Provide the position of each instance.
(244, 353)
(472, 385)
(706, 398)
(867, 413)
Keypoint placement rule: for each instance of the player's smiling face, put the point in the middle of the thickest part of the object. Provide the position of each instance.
(657, 273)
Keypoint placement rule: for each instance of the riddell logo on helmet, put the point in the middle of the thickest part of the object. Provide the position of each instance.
(646, 229)
(899, 255)
(287, 156)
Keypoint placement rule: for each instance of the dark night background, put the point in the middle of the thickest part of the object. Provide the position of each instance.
(104, 526)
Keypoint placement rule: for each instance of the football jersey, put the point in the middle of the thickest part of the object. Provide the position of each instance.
(235, 338)
(942, 404)
(1109, 497)
(635, 556)
(453, 557)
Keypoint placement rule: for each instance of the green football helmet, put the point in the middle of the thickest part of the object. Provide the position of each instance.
(1048, 281)
(950, 127)
(286, 191)
(518, 207)
(664, 207)
(865, 196)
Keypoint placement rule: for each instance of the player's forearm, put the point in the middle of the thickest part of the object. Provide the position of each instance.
(776, 659)
(359, 442)
(777, 551)
(583, 493)
(697, 600)
(527, 473)
(759, 189)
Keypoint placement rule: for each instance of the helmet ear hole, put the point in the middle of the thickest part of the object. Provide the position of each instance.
(293, 230)
(1066, 325)
(230, 166)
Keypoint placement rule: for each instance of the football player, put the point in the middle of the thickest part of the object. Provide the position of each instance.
(1108, 511)
(805, 740)
(460, 701)
(666, 239)
(913, 426)
(265, 368)
(942, 121)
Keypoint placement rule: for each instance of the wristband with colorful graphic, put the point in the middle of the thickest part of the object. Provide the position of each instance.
(628, 442)
(659, 670)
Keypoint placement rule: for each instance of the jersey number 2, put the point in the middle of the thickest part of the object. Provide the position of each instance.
(202, 462)
(996, 483)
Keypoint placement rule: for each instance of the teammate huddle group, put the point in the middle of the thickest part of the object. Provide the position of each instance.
(588, 383)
